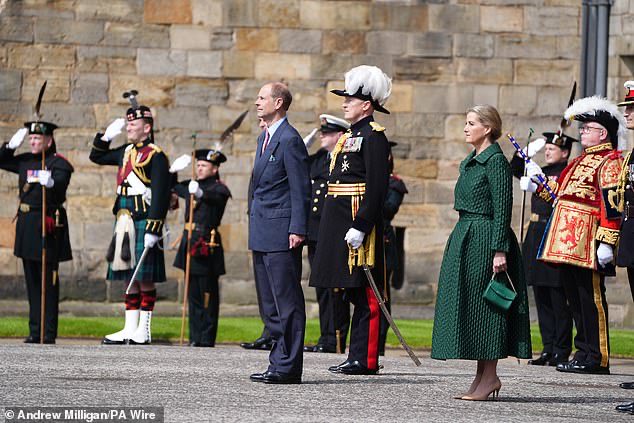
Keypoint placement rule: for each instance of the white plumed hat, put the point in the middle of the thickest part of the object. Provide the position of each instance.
(367, 83)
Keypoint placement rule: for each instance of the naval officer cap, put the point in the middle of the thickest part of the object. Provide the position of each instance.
(367, 83)
(330, 123)
(629, 95)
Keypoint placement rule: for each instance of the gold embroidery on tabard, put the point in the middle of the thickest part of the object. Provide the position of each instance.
(608, 236)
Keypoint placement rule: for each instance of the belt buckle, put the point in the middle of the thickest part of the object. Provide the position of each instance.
(25, 208)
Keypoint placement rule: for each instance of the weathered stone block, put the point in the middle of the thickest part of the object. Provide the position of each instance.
(417, 124)
(113, 10)
(295, 66)
(442, 98)
(234, 237)
(207, 12)
(12, 111)
(278, 13)
(329, 14)
(200, 93)
(526, 46)
(568, 47)
(16, 29)
(222, 39)
(41, 56)
(238, 64)
(90, 88)
(204, 64)
(188, 37)
(473, 45)
(240, 13)
(518, 99)
(195, 118)
(448, 170)
(331, 66)
(153, 90)
(547, 20)
(66, 31)
(551, 101)
(7, 232)
(101, 59)
(10, 83)
(258, 40)
(132, 35)
(343, 41)
(439, 192)
(57, 86)
(220, 117)
(485, 94)
(424, 69)
(454, 18)
(409, 17)
(387, 42)
(546, 72)
(300, 41)
(421, 169)
(167, 11)
(75, 115)
(491, 71)
(161, 62)
(401, 99)
(501, 19)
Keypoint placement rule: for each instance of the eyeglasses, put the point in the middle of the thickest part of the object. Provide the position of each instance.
(587, 129)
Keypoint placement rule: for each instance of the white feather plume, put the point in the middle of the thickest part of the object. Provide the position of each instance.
(373, 80)
(629, 85)
(589, 106)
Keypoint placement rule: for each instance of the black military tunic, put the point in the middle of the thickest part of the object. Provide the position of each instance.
(625, 253)
(357, 185)
(207, 262)
(28, 233)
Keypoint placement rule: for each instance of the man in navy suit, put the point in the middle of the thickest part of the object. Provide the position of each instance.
(279, 199)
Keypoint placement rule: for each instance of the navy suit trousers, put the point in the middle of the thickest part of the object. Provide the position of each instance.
(277, 276)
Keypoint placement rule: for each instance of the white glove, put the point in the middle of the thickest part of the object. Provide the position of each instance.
(147, 196)
(46, 179)
(605, 254)
(534, 147)
(194, 188)
(354, 238)
(113, 129)
(17, 139)
(533, 169)
(310, 138)
(526, 184)
(150, 240)
(180, 163)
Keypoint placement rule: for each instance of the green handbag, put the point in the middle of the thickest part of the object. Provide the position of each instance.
(498, 294)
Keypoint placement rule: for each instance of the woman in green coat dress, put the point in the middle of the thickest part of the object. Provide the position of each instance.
(466, 326)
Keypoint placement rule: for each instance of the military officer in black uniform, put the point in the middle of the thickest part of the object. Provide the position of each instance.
(207, 256)
(553, 312)
(334, 312)
(143, 196)
(28, 232)
(396, 191)
(625, 253)
(351, 230)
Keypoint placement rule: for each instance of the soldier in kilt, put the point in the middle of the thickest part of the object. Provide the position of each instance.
(28, 231)
(207, 262)
(143, 194)
(351, 229)
(553, 313)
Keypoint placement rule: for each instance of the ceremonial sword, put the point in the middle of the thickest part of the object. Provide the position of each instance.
(397, 332)
(140, 263)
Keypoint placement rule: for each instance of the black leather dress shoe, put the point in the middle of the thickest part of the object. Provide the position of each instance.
(626, 408)
(310, 348)
(558, 359)
(324, 349)
(200, 344)
(355, 368)
(336, 369)
(107, 341)
(568, 367)
(257, 377)
(281, 378)
(591, 369)
(543, 360)
(258, 344)
(627, 385)
(32, 340)
(49, 341)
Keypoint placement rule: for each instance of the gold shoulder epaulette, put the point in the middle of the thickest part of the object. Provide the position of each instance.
(376, 127)
(155, 148)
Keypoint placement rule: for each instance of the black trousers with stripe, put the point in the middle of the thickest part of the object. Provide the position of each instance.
(33, 275)
(585, 292)
(364, 335)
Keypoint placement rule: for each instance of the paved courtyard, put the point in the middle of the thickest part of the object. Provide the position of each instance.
(197, 385)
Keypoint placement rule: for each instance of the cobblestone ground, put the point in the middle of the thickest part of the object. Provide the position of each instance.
(213, 385)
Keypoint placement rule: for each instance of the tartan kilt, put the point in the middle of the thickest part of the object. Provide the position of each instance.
(153, 268)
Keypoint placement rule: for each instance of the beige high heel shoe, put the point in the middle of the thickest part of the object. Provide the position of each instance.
(494, 393)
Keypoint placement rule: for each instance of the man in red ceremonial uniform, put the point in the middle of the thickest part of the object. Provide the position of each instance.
(584, 229)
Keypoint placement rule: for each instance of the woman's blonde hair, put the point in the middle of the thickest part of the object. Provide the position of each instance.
(489, 117)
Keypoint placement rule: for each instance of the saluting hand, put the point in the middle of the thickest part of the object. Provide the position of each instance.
(113, 129)
(17, 139)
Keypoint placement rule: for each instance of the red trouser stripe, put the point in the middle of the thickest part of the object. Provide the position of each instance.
(373, 329)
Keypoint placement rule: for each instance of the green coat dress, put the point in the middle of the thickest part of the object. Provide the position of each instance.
(466, 326)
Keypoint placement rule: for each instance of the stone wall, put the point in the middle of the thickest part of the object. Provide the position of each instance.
(199, 63)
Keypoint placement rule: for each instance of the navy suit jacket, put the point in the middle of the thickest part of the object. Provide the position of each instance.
(279, 191)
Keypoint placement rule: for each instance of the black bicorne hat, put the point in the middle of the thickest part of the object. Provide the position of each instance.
(211, 156)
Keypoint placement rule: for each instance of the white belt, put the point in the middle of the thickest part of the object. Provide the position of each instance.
(129, 191)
